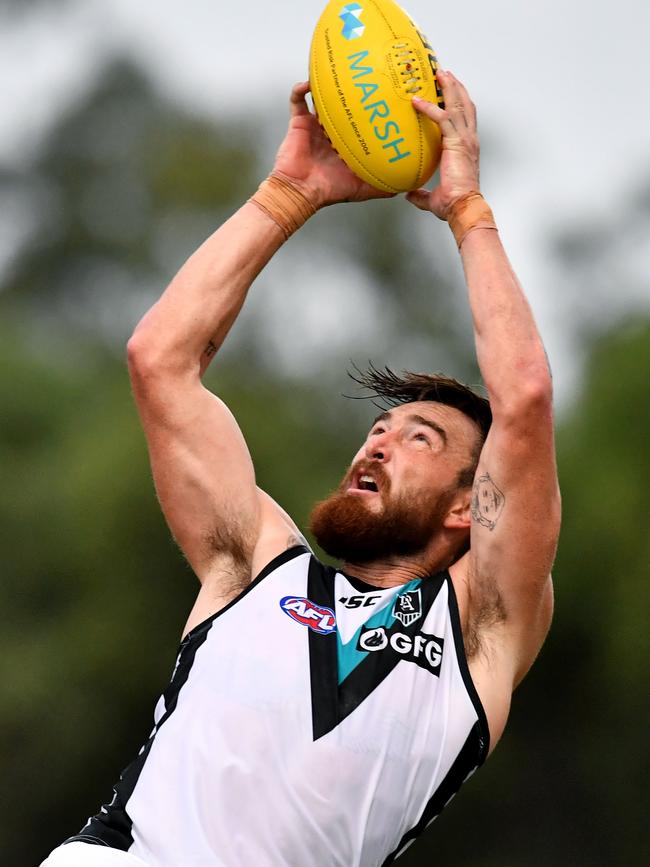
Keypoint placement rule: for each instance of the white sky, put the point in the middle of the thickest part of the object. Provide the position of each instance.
(564, 86)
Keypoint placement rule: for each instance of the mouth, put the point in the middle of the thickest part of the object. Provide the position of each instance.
(363, 482)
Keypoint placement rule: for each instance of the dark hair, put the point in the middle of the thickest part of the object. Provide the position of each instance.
(396, 390)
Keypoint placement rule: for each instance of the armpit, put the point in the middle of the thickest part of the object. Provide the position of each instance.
(230, 549)
(486, 610)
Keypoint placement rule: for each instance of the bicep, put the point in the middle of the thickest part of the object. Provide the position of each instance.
(515, 513)
(203, 474)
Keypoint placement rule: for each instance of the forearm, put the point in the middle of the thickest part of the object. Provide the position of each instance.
(190, 321)
(510, 351)
(509, 348)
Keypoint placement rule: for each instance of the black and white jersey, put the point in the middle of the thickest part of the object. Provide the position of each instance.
(315, 720)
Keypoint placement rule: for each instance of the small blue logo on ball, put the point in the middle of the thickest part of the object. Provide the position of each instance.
(352, 26)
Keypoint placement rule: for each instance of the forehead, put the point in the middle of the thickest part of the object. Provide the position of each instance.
(454, 422)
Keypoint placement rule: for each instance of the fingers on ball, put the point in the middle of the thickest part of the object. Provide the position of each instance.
(419, 198)
(457, 99)
(429, 108)
(297, 100)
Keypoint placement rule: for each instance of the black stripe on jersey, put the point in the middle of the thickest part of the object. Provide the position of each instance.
(323, 658)
(467, 761)
(112, 826)
(331, 703)
(464, 670)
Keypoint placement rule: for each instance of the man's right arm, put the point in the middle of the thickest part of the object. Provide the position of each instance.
(203, 472)
(202, 469)
(515, 505)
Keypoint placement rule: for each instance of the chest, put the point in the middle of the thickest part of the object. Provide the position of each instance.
(309, 644)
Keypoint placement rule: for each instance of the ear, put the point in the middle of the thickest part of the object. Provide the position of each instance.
(459, 516)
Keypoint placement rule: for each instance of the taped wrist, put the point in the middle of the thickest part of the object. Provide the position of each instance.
(284, 203)
(467, 213)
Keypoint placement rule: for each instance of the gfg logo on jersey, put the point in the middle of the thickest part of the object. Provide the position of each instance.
(316, 617)
(408, 607)
(422, 649)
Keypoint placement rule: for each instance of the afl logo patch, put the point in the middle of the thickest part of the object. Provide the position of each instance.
(316, 617)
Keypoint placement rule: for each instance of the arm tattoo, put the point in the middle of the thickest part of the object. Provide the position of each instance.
(487, 502)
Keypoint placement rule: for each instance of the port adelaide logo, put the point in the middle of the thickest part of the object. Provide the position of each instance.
(408, 607)
(317, 617)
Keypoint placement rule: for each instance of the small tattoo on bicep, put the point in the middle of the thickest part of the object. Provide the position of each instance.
(487, 502)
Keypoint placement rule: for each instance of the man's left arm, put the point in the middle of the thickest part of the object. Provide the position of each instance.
(515, 507)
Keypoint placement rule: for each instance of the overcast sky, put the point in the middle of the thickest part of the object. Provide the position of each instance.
(563, 85)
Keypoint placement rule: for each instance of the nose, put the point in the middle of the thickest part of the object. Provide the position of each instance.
(378, 447)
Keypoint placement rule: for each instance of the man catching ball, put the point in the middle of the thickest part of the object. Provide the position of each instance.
(321, 716)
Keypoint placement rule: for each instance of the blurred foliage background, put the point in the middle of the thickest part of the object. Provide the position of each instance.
(94, 593)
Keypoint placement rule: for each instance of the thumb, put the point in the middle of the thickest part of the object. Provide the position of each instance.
(420, 198)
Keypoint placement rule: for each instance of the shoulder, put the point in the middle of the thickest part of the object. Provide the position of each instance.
(279, 541)
(278, 533)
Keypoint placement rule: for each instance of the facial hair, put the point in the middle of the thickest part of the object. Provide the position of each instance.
(348, 530)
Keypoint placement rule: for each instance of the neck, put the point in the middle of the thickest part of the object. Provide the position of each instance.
(397, 571)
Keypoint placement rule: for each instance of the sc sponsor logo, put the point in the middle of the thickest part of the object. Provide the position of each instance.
(317, 617)
(359, 601)
(422, 649)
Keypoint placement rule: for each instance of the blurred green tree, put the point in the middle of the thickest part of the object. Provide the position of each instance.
(122, 187)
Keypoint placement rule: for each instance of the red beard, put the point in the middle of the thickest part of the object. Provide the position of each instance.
(346, 528)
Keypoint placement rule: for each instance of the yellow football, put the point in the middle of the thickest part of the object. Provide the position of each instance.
(367, 61)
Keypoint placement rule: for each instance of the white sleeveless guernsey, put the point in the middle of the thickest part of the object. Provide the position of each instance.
(316, 721)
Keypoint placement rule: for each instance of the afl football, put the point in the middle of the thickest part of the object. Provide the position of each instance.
(367, 61)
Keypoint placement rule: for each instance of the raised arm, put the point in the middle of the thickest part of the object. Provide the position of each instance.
(202, 469)
(515, 505)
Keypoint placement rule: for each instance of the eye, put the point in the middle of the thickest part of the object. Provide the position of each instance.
(422, 438)
(376, 430)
